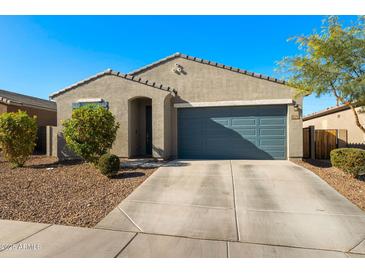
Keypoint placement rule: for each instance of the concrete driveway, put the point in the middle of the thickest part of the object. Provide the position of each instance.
(245, 209)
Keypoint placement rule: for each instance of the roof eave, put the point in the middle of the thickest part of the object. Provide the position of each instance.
(118, 74)
(325, 112)
(16, 103)
(207, 62)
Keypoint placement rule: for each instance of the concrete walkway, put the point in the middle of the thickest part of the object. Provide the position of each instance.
(210, 209)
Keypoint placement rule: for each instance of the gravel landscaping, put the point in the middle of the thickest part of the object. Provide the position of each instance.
(70, 193)
(352, 189)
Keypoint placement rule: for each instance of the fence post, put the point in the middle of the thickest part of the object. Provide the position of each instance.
(49, 132)
(342, 138)
(312, 142)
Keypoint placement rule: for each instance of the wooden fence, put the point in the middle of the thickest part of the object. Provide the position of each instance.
(318, 143)
(307, 142)
(325, 142)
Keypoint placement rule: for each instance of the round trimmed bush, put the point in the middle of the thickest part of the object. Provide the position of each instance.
(90, 132)
(350, 160)
(109, 164)
(18, 134)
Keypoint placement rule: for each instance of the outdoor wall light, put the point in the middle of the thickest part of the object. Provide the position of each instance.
(177, 68)
(296, 107)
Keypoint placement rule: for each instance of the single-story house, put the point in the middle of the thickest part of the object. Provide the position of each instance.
(339, 117)
(187, 107)
(45, 111)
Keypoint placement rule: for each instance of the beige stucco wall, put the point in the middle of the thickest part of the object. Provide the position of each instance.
(205, 83)
(44, 117)
(3, 108)
(118, 92)
(341, 120)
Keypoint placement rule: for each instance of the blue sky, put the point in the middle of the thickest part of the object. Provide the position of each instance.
(41, 54)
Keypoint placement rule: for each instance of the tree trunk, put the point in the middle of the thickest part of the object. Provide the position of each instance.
(357, 120)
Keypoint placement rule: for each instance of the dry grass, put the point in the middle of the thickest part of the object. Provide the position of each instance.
(71, 193)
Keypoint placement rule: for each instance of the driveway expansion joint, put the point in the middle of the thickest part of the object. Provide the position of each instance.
(349, 251)
(305, 213)
(234, 202)
(293, 246)
(130, 219)
(168, 235)
(120, 252)
(233, 241)
(181, 204)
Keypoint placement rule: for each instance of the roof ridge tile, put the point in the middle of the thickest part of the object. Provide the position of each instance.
(207, 62)
(114, 73)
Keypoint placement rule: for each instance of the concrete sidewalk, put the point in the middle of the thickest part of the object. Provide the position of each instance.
(24, 240)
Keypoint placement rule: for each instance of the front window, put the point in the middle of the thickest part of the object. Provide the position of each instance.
(90, 101)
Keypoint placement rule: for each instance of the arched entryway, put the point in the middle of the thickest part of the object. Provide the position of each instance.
(140, 127)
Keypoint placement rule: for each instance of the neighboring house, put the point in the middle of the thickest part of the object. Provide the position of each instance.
(187, 107)
(45, 111)
(339, 117)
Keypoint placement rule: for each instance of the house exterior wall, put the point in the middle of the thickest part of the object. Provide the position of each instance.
(341, 120)
(3, 108)
(118, 92)
(205, 83)
(44, 117)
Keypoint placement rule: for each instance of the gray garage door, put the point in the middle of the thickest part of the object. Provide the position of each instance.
(251, 132)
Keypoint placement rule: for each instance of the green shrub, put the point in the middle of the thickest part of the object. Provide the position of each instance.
(90, 132)
(350, 160)
(18, 133)
(109, 164)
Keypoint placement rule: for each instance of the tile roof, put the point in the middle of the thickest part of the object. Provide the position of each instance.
(326, 111)
(207, 62)
(12, 98)
(119, 74)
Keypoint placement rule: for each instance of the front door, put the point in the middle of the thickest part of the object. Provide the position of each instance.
(148, 130)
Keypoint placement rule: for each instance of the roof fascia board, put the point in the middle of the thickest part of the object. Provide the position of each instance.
(325, 112)
(16, 103)
(118, 74)
(235, 103)
(207, 62)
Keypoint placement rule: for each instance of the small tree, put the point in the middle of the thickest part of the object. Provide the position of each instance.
(90, 132)
(334, 63)
(18, 133)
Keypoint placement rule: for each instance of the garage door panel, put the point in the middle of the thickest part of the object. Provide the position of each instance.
(230, 133)
(190, 124)
(272, 142)
(239, 122)
(273, 137)
(214, 122)
(276, 154)
(246, 132)
(186, 137)
(234, 143)
(272, 121)
(272, 132)
(227, 134)
(255, 132)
